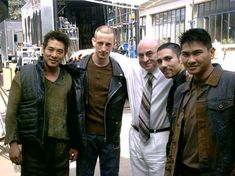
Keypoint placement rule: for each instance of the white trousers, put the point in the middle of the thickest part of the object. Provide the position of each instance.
(148, 159)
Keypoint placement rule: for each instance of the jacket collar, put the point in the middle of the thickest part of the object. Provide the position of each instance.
(117, 71)
(212, 80)
(180, 77)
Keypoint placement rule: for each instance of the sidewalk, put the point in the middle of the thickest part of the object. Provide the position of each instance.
(6, 167)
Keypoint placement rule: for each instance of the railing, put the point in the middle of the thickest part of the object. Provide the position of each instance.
(3, 99)
(3, 103)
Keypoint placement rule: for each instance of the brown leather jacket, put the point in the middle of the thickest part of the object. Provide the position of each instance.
(217, 140)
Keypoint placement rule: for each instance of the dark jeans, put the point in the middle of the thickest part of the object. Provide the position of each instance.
(109, 157)
(51, 159)
(187, 171)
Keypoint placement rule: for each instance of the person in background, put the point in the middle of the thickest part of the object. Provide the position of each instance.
(168, 59)
(203, 131)
(101, 94)
(38, 115)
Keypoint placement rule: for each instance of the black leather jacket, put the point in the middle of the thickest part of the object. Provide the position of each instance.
(114, 105)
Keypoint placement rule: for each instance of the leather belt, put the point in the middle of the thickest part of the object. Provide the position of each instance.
(152, 130)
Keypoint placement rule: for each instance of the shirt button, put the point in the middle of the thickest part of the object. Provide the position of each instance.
(221, 106)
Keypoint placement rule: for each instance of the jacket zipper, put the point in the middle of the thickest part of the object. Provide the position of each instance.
(44, 121)
(105, 126)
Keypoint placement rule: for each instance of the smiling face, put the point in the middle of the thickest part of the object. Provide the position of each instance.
(169, 62)
(196, 58)
(147, 53)
(53, 53)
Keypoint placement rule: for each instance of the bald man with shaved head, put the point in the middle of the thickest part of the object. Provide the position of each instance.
(147, 157)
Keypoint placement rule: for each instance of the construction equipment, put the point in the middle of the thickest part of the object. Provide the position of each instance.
(79, 19)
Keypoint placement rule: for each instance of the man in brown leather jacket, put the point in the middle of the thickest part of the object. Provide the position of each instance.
(203, 112)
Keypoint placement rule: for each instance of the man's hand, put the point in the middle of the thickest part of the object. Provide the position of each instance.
(76, 57)
(73, 154)
(15, 153)
(81, 53)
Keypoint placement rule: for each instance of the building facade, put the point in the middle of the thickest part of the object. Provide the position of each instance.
(165, 20)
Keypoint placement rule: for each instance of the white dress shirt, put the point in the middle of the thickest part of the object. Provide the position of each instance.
(136, 80)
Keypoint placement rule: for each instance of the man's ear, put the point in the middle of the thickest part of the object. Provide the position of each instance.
(212, 52)
(93, 41)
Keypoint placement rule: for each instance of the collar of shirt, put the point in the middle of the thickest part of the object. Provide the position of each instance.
(155, 73)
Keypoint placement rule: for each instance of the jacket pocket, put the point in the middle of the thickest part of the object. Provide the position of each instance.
(220, 104)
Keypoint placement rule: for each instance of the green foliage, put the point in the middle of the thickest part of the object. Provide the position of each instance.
(15, 9)
(228, 41)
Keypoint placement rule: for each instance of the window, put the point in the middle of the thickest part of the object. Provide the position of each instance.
(231, 28)
(218, 18)
(200, 23)
(219, 5)
(213, 7)
(232, 4)
(142, 26)
(157, 19)
(169, 17)
(207, 8)
(225, 4)
(225, 29)
(200, 10)
(206, 23)
(212, 28)
(169, 25)
(218, 28)
(177, 16)
(173, 15)
(182, 14)
(154, 20)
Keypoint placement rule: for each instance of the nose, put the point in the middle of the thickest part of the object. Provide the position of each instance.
(104, 46)
(191, 58)
(53, 53)
(145, 58)
(164, 63)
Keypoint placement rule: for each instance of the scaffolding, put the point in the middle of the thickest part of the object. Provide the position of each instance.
(126, 23)
(79, 19)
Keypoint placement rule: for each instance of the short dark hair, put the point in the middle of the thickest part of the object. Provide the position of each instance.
(57, 35)
(173, 46)
(196, 35)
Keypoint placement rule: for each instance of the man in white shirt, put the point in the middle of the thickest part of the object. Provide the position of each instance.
(147, 158)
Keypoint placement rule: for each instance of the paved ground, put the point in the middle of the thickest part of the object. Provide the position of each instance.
(8, 169)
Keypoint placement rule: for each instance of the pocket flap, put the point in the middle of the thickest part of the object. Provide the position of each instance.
(220, 105)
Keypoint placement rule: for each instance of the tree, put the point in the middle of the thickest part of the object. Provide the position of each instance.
(15, 9)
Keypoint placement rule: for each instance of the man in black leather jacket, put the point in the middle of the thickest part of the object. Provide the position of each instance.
(100, 93)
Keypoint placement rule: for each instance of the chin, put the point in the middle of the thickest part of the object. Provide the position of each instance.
(53, 65)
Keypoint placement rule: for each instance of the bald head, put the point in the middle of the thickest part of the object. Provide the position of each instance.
(149, 42)
(147, 53)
